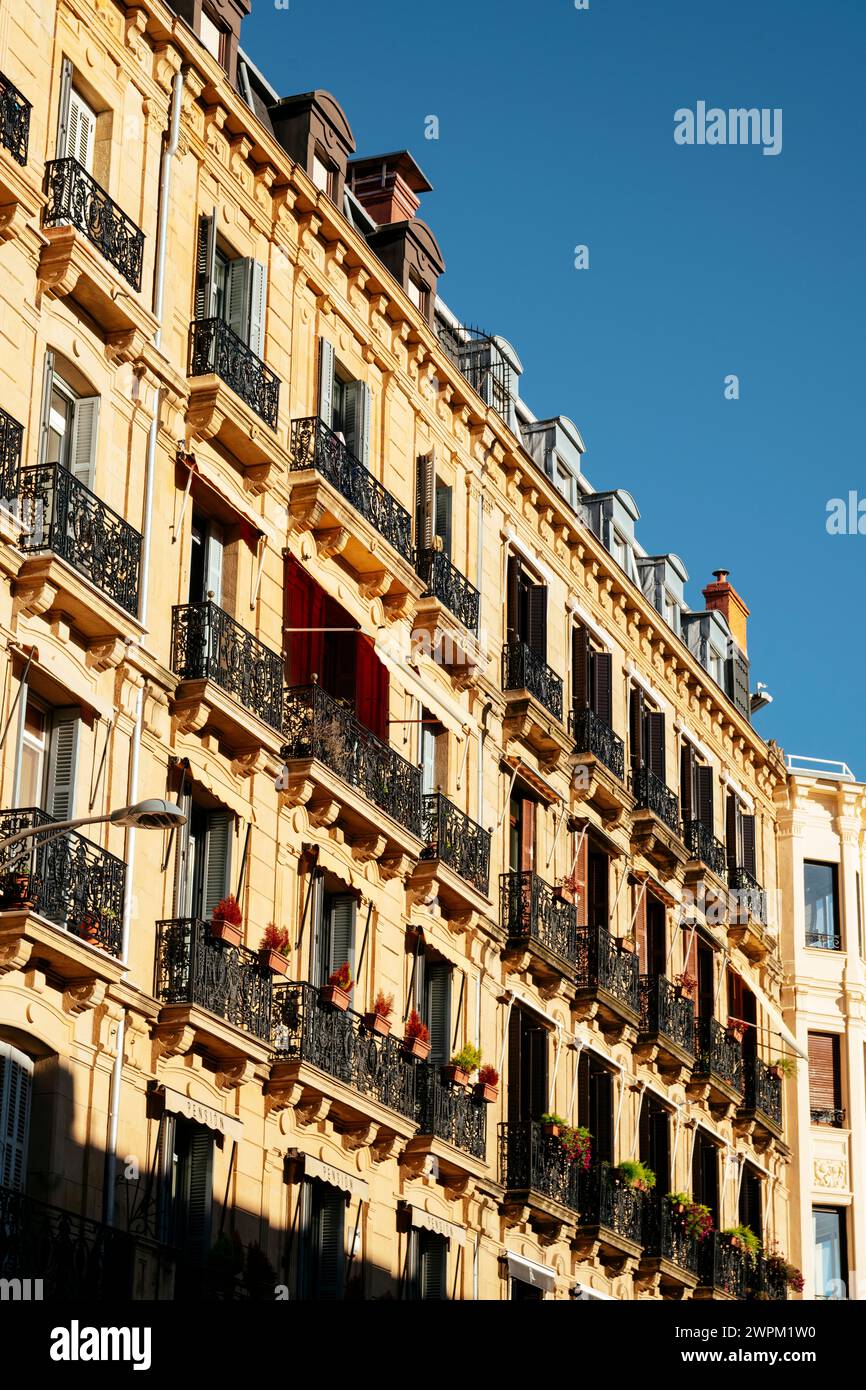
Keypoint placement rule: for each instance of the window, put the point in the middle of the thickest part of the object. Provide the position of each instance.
(323, 1246)
(592, 907)
(566, 483)
(16, 1086)
(521, 834)
(34, 745)
(186, 1199)
(434, 754)
(526, 608)
(751, 1211)
(69, 426)
(430, 1261)
(527, 1067)
(705, 1174)
(696, 788)
(418, 294)
(231, 288)
(740, 836)
(203, 860)
(433, 990)
(591, 676)
(647, 731)
(671, 610)
(212, 37)
(206, 560)
(831, 1258)
(344, 403)
(655, 1140)
(76, 125)
(595, 1105)
(442, 515)
(650, 930)
(48, 759)
(821, 892)
(825, 1080)
(334, 943)
(323, 174)
(523, 1292)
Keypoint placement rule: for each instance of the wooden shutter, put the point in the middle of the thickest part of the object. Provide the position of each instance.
(326, 382)
(583, 1085)
(16, 1087)
(237, 300)
(213, 565)
(737, 682)
(601, 1114)
(432, 1265)
(602, 686)
(655, 729)
(217, 860)
(527, 1068)
(687, 764)
(824, 1079)
(205, 266)
(424, 501)
(63, 109)
(443, 516)
(356, 420)
(342, 908)
(639, 905)
(636, 727)
(581, 682)
(705, 796)
(80, 131)
(537, 1057)
(45, 417)
(512, 610)
(258, 299)
(536, 638)
(751, 1205)
(82, 453)
(708, 1156)
(659, 1147)
(63, 763)
(330, 1243)
(438, 1010)
(690, 959)
(750, 860)
(731, 828)
(527, 834)
(199, 1189)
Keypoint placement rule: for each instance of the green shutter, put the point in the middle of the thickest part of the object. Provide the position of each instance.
(326, 382)
(63, 763)
(342, 908)
(432, 1265)
(580, 668)
(205, 266)
(238, 282)
(45, 417)
(330, 1243)
(536, 637)
(750, 862)
(356, 420)
(655, 728)
(443, 516)
(258, 298)
(16, 1085)
(198, 1190)
(705, 796)
(63, 109)
(438, 1011)
(217, 864)
(602, 686)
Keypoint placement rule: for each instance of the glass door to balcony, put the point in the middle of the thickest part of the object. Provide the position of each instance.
(204, 861)
(527, 1068)
(206, 561)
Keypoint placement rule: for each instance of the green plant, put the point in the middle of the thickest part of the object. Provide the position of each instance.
(787, 1065)
(744, 1238)
(275, 938)
(468, 1058)
(636, 1174)
(576, 1142)
(695, 1217)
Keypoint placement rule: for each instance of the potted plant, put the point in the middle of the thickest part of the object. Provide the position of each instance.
(628, 944)
(783, 1066)
(736, 1029)
(462, 1064)
(695, 1218)
(19, 891)
(552, 1125)
(416, 1037)
(377, 1019)
(486, 1087)
(685, 983)
(575, 1141)
(632, 1173)
(226, 921)
(743, 1238)
(273, 949)
(779, 1268)
(336, 991)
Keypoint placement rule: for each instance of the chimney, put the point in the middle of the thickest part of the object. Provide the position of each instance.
(724, 598)
(387, 186)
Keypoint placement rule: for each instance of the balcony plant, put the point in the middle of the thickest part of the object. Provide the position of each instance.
(273, 949)
(486, 1087)
(628, 943)
(736, 1029)
(685, 984)
(336, 991)
(783, 1066)
(743, 1238)
(693, 1217)
(416, 1038)
(779, 1268)
(575, 1141)
(462, 1064)
(226, 922)
(632, 1173)
(378, 1019)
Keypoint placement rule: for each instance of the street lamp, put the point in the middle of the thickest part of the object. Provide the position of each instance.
(153, 814)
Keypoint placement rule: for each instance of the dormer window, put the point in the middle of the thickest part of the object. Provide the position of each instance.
(213, 37)
(322, 174)
(418, 294)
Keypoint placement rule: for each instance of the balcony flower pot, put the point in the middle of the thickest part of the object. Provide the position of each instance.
(229, 932)
(274, 961)
(486, 1093)
(551, 1131)
(377, 1023)
(417, 1047)
(456, 1075)
(334, 995)
(628, 945)
(18, 891)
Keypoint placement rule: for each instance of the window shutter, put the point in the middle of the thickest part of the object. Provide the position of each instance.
(737, 682)
(516, 1108)
(537, 635)
(636, 728)
(330, 1243)
(601, 1115)
(751, 1213)
(342, 908)
(583, 1088)
(705, 796)
(527, 834)
(750, 859)
(205, 266)
(166, 1143)
(326, 382)
(258, 298)
(580, 668)
(655, 726)
(63, 763)
(709, 1179)
(217, 860)
(602, 686)
(238, 291)
(537, 1090)
(640, 933)
(85, 425)
(824, 1079)
(63, 109)
(432, 1265)
(357, 420)
(45, 417)
(428, 757)
(199, 1190)
(443, 516)
(320, 950)
(512, 599)
(16, 1086)
(438, 1008)
(213, 582)
(81, 131)
(424, 501)
(687, 759)
(731, 835)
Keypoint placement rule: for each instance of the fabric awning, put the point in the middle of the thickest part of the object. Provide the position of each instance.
(336, 1177)
(769, 1007)
(201, 1114)
(585, 1294)
(227, 502)
(532, 778)
(528, 1272)
(426, 1221)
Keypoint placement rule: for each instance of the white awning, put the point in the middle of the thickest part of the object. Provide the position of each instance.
(584, 1294)
(770, 1007)
(201, 1114)
(528, 1272)
(426, 1221)
(336, 1177)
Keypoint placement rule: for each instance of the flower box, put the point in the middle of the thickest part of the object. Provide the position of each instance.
(417, 1047)
(275, 961)
(551, 1131)
(456, 1075)
(229, 932)
(482, 1091)
(335, 996)
(377, 1023)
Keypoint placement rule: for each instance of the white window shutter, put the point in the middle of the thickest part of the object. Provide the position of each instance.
(81, 131)
(16, 1086)
(63, 108)
(45, 418)
(326, 382)
(217, 860)
(237, 311)
(82, 453)
(63, 763)
(258, 305)
(205, 264)
(214, 563)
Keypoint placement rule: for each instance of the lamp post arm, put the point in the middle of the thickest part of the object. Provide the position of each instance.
(51, 827)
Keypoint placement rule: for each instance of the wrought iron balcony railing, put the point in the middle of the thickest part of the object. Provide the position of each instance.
(335, 1041)
(71, 1256)
(74, 198)
(523, 670)
(592, 735)
(603, 965)
(60, 514)
(834, 1118)
(11, 436)
(723, 1267)
(450, 1112)
(762, 1090)
(456, 840)
(193, 967)
(531, 911)
(606, 1201)
(206, 644)
(215, 347)
(749, 898)
(14, 120)
(445, 582)
(824, 941)
(652, 794)
(666, 1237)
(720, 1056)
(70, 881)
(702, 844)
(315, 445)
(767, 1282)
(530, 1160)
(666, 1013)
(315, 725)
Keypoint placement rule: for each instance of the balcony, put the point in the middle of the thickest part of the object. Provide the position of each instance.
(761, 1109)
(19, 195)
(223, 670)
(11, 437)
(823, 941)
(445, 583)
(533, 703)
(232, 390)
(340, 771)
(610, 1228)
(452, 1127)
(724, 1271)
(328, 1065)
(656, 822)
(541, 927)
(706, 855)
(608, 987)
(93, 250)
(667, 1025)
(767, 1283)
(747, 917)
(455, 862)
(599, 766)
(14, 121)
(670, 1254)
(833, 1119)
(719, 1064)
(331, 492)
(537, 1176)
(219, 992)
(446, 618)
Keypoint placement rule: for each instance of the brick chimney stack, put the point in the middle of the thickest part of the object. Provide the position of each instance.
(723, 597)
(387, 185)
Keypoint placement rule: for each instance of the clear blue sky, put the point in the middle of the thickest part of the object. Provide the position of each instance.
(556, 128)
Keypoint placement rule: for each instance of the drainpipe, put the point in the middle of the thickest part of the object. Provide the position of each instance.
(170, 150)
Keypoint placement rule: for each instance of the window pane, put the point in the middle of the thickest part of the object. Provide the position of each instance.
(819, 886)
(830, 1271)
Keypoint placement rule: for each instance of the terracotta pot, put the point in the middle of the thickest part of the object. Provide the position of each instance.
(456, 1075)
(482, 1091)
(626, 944)
(227, 932)
(18, 891)
(415, 1047)
(275, 961)
(551, 1131)
(335, 996)
(377, 1023)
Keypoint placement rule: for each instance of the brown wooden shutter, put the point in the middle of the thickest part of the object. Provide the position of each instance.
(424, 502)
(705, 796)
(750, 859)
(536, 638)
(580, 668)
(640, 926)
(687, 757)
(527, 834)
(583, 1089)
(731, 832)
(601, 1115)
(512, 618)
(824, 1080)
(602, 686)
(690, 962)
(656, 744)
(635, 720)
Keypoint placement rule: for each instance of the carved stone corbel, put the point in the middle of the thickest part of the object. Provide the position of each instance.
(297, 791)
(171, 1041)
(368, 847)
(190, 718)
(323, 812)
(81, 995)
(374, 584)
(331, 541)
(235, 1074)
(312, 1108)
(396, 865)
(359, 1136)
(282, 1096)
(387, 1145)
(105, 656)
(15, 951)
